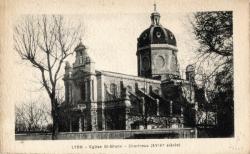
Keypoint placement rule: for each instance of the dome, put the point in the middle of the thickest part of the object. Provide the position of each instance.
(190, 68)
(156, 33)
(80, 46)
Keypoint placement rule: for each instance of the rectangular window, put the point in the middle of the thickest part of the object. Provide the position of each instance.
(83, 91)
(80, 60)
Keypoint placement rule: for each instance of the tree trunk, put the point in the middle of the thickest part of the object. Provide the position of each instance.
(55, 118)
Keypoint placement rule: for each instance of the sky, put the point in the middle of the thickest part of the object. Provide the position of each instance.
(111, 41)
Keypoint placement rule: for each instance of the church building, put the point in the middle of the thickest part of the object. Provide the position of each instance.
(158, 98)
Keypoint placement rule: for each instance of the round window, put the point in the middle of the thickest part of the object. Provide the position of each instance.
(159, 61)
(158, 34)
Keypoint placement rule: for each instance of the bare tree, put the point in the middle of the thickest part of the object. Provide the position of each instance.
(45, 42)
(214, 32)
(31, 116)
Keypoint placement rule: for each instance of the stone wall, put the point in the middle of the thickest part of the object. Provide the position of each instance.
(119, 134)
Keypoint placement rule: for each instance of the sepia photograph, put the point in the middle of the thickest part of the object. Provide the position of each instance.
(147, 77)
(163, 99)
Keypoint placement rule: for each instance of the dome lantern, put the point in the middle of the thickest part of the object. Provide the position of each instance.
(155, 17)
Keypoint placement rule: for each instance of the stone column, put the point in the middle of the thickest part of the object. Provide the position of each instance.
(143, 106)
(127, 106)
(85, 122)
(93, 117)
(143, 111)
(127, 123)
(90, 90)
(169, 61)
(103, 118)
(171, 108)
(80, 124)
(158, 107)
(86, 89)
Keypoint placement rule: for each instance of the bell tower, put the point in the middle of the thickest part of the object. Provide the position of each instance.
(157, 51)
(83, 61)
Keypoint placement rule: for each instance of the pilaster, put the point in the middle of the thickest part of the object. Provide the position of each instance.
(93, 114)
(127, 122)
(80, 124)
(171, 108)
(158, 107)
(103, 118)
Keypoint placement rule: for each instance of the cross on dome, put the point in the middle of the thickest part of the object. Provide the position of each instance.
(80, 44)
(154, 6)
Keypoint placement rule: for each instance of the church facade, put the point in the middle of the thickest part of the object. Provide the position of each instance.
(158, 98)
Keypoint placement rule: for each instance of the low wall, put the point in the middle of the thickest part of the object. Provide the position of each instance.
(33, 136)
(115, 134)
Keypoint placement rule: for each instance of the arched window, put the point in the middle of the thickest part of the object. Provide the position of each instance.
(157, 91)
(113, 89)
(129, 88)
